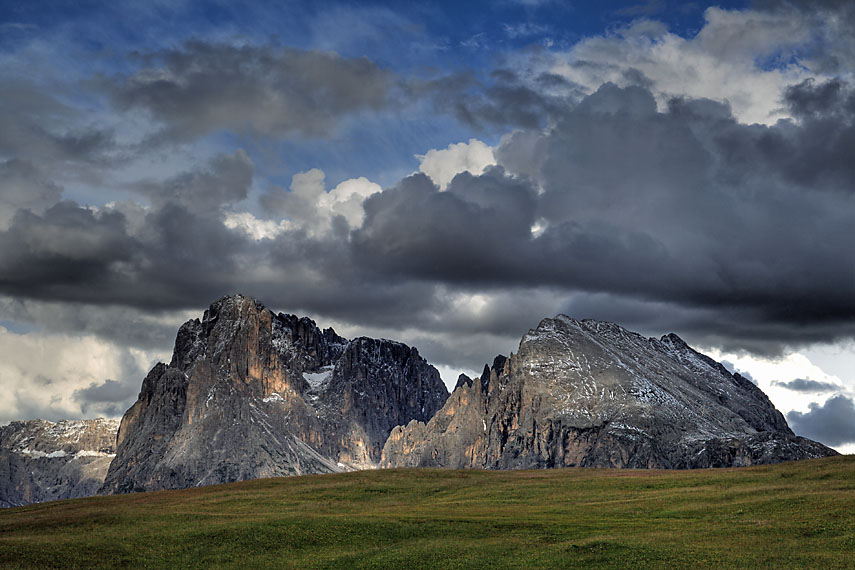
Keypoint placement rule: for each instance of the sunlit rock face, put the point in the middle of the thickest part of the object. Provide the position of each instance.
(592, 394)
(47, 461)
(250, 393)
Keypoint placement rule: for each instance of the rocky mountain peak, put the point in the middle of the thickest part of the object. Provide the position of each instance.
(463, 380)
(591, 393)
(232, 307)
(673, 341)
(250, 393)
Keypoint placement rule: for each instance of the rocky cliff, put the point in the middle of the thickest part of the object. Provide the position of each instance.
(249, 393)
(592, 394)
(46, 461)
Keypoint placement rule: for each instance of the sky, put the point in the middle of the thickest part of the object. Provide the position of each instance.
(445, 174)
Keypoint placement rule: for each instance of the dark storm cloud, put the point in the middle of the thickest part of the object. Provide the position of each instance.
(504, 99)
(462, 352)
(74, 268)
(807, 385)
(186, 256)
(468, 328)
(502, 105)
(832, 423)
(163, 257)
(677, 220)
(226, 179)
(176, 254)
(819, 152)
(464, 234)
(321, 276)
(808, 100)
(680, 219)
(729, 328)
(685, 207)
(148, 329)
(203, 87)
(63, 251)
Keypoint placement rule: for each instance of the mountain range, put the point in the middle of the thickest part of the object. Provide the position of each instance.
(250, 393)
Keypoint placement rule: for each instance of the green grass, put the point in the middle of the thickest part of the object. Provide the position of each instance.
(794, 515)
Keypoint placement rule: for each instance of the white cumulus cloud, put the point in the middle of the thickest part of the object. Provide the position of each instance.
(442, 165)
(49, 376)
(308, 206)
(741, 57)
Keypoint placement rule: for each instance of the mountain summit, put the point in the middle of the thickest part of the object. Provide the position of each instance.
(250, 393)
(592, 394)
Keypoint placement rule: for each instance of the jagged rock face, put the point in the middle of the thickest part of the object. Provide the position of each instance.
(375, 386)
(252, 394)
(592, 394)
(46, 461)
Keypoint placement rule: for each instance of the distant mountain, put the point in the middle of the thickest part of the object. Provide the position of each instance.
(592, 394)
(46, 461)
(250, 393)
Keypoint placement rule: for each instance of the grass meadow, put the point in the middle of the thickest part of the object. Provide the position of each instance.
(793, 515)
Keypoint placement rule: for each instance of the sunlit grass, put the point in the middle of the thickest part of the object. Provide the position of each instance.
(786, 516)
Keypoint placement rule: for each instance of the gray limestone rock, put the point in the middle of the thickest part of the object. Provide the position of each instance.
(592, 394)
(47, 461)
(251, 394)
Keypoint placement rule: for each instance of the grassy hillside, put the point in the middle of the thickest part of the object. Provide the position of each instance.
(786, 516)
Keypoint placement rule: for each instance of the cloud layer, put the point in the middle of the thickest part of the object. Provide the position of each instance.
(204, 87)
(698, 183)
(686, 207)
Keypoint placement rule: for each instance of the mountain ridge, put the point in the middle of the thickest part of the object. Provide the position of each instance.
(593, 394)
(48, 461)
(250, 393)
